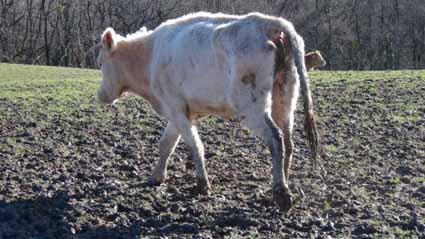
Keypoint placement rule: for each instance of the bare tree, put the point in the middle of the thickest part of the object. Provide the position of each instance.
(352, 34)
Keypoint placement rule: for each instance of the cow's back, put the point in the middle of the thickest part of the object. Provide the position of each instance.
(185, 52)
(198, 57)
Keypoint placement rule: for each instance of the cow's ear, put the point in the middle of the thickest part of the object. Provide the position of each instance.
(109, 39)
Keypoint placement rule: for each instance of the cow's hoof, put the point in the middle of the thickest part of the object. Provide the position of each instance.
(203, 186)
(283, 199)
(155, 181)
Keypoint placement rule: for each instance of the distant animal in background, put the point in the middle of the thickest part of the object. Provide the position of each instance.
(314, 60)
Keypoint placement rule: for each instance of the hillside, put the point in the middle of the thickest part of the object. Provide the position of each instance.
(70, 168)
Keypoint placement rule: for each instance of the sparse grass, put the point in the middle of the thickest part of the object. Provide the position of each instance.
(350, 76)
(403, 234)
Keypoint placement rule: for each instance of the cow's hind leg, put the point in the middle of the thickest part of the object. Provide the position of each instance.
(289, 145)
(252, 105)
(167, 144)
(282, 114)
(264, 126)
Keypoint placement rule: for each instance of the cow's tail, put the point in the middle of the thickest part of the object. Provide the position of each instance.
(297, 48)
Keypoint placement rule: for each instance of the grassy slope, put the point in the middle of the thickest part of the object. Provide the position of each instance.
(28, 80)
(363, 115)
(59, 89)
(40, 83)
(43, 81)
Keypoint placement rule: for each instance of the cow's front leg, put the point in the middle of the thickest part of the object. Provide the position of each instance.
(191, 137)
(167, 144)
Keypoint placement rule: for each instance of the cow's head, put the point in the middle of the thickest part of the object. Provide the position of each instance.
(313, 60)
(112, 85)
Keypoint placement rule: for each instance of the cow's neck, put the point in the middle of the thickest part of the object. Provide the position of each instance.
(135, 59)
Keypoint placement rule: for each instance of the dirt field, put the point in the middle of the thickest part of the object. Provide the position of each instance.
(70, 168)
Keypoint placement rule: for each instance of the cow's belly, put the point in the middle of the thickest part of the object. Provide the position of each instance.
(198, 108)
(199, 73)
(207, 94)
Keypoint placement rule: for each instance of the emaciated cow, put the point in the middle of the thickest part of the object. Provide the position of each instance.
(202, 64)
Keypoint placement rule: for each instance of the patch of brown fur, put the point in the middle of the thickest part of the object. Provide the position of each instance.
(249, 79)
(277, 100)
(197, 109)
(134, 57)
(282, 54)
(281, 62)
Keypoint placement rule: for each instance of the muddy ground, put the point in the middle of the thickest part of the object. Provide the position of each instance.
(79, 171)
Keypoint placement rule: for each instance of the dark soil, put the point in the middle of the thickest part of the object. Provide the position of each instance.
(83, 173)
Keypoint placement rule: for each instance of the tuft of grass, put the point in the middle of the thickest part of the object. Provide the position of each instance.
(420, 179)
(360, 192)
(331, 148)
(326, 205)
(395, 180)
